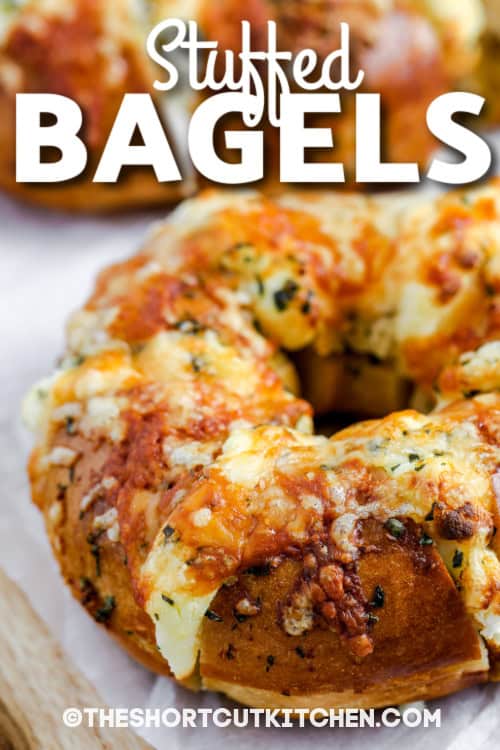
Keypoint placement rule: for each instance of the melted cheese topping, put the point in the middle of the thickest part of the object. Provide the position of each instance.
(175, 365)
(177, 614)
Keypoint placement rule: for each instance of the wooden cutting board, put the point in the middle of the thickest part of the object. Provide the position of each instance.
(38, 681)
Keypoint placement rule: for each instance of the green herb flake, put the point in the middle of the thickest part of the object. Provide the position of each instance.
(378, 599)
(197, 364)
(285, 295)
(458, 558)
(240, 618)
(168, 532)
(189, 325)
(95, 551)
(269, 662)
(213, 616)
(395, 527)
(70, 426)
(430, 514)
(472, 393)
(103, 614)
(426, 540)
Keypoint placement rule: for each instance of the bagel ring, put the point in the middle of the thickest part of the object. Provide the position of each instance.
(193, 512)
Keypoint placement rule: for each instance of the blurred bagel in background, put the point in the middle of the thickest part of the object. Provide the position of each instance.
(94, 53)
(485, 78)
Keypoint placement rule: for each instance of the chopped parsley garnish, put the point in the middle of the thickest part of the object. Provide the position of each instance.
(103, 614)
(426, 540)
(168, 531)
(458, 558)
(89, 593)
(269, 662)
(378, 599)
(189, 325)
(472, 394)
(430, 514)
(284, 296)
(197, 364)
(238, 617)
(213, 616)
(95, 551)
(395, 527)
(70, 426)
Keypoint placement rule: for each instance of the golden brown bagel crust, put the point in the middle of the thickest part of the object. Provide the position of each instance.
(92, 52)
(181, 485)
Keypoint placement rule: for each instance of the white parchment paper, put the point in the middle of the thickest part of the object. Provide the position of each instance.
(47, 266)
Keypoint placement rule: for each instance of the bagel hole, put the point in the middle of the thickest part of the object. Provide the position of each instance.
(347, 388)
